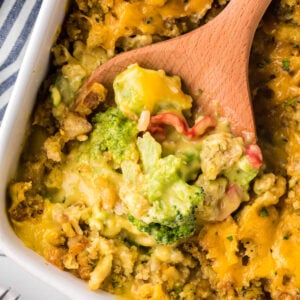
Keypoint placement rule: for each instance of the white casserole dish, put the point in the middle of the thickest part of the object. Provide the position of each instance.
(12, 136)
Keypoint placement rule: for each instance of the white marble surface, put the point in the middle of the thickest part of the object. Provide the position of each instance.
(24, 284)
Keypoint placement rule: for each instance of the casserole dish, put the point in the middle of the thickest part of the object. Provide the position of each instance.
(221, 258)
(12, 132)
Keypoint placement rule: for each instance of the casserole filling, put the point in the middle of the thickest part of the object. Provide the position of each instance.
(141, 195)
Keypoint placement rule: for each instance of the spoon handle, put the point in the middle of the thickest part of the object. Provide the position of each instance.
(217, 60)
(241, 17)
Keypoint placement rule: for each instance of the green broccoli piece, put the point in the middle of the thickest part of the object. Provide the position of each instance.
(242, 172)
(137, 89)
(183, 148)
(150, 151)
(168, 193)
(63, 88)
(173, 202)
(164, 234)
(116, 134)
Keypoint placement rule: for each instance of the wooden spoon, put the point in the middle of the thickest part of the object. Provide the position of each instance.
(211, 60)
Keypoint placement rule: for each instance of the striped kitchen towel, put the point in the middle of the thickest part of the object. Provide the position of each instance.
(17, 18)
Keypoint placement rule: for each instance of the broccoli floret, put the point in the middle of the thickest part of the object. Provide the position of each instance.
(172, 201)
(169, 195)
(242, 172)
(116, 134)
(164, 234)
(137, 89)
(188, 150)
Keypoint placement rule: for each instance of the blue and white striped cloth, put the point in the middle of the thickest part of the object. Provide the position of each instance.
(17, 18)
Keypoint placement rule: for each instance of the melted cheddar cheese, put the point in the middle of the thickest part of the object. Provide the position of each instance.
(265, 233)
(142, 18)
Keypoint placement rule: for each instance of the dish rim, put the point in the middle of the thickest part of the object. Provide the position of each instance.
(13, 128)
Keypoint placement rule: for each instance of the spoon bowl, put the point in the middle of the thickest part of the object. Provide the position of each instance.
(212, 61)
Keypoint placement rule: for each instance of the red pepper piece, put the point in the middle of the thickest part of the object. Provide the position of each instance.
(180, 124)
(170, 119)
(230, 202)
(254, 155)
(233, 189)
(202, 126)
(157, 131)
